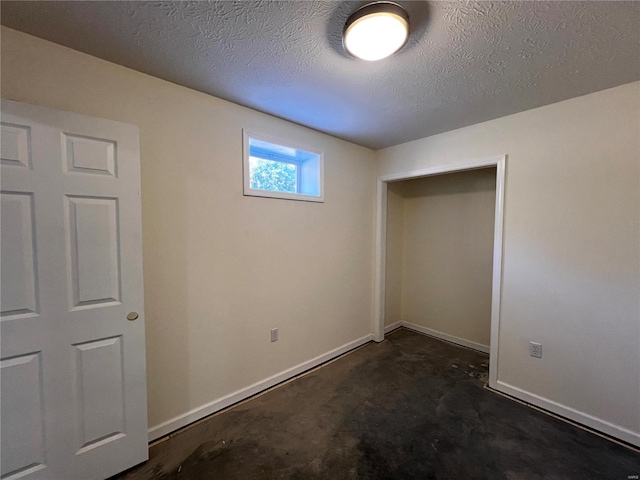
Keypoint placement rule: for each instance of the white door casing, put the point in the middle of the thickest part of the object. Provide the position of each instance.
(73, 383)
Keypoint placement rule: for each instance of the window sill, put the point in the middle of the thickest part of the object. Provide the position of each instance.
(283, 195)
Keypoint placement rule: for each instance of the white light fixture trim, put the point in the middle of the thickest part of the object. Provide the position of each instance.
(376, 31)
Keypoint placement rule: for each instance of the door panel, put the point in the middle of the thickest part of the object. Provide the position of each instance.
(73, 366)
(16, 145)
(92, 156)
(94, 250)
(99, 391)
(22, 415)
(18, 260)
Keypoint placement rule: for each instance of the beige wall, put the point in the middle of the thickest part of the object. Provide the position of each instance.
(220, 269)
(446, 228)
(571, 250)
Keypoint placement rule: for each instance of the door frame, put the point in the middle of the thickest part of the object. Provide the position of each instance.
(500, 162)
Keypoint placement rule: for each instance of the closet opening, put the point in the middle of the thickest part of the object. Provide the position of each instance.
(439, 254)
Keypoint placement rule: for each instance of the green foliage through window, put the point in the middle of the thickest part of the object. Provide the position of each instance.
(279, 171)
(273, 175)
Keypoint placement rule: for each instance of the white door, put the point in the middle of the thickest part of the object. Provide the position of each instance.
(73, 387)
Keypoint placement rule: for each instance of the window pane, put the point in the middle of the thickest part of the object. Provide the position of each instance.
(279, 171)
(273, 175)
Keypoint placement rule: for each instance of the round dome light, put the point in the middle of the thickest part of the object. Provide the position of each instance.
(376, 31)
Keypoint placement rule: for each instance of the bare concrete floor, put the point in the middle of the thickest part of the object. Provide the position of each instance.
(411, 407)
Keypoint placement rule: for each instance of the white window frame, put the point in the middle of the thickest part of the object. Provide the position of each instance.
(253, 192)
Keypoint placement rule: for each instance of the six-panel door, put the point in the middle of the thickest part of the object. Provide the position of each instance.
(72, 366)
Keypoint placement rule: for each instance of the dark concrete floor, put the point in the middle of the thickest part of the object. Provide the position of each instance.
(411, 407)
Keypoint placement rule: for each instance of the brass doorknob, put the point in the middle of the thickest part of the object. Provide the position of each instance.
(132, 316)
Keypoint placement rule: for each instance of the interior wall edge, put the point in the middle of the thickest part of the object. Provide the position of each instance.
(198, 413)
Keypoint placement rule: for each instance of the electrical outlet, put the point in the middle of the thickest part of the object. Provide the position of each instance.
(274, 334)
(535, 349)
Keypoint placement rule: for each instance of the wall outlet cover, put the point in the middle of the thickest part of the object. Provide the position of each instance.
(535, 349)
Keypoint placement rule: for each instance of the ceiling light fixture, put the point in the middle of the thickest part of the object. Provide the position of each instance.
(376, 31)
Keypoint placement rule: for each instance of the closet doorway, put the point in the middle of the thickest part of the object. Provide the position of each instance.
(439, 253)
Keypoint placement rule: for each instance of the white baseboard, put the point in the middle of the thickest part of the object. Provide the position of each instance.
(595, 423)
(202, 411)
(195, 414)
(391, 327)
(444, 336)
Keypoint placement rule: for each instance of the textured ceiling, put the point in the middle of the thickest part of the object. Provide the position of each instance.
(465, 62)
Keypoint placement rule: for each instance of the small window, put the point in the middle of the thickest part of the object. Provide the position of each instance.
(274, 169)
